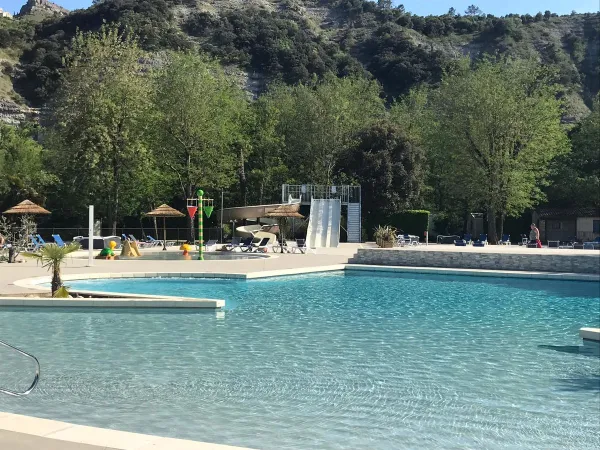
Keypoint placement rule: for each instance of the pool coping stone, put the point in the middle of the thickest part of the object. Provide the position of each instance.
(104, 299)
(56, 431)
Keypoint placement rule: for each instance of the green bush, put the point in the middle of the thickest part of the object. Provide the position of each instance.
(411, 221)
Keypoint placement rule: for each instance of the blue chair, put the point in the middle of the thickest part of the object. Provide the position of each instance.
(468, 238)
(58, 240)
(40, 239)
(124, 237)
(35, 244)
(460, 243)
(482, 242)
(505, 239)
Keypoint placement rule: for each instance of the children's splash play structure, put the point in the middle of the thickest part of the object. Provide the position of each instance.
(200, 205)
(328, 204)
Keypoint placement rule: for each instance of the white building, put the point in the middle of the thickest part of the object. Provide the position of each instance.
(5, 14)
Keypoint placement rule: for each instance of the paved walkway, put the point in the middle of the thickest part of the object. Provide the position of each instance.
(78, 264)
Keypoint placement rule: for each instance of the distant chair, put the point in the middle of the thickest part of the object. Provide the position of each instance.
(41, 239)
(154, 242)
(460, 243)
(468, 238)
(505, 239)
(482, 242)
(34, 244)
(58, 240)
(243, 246)
(235, 242)
(262, 245)
(300, 246)
(210, 245)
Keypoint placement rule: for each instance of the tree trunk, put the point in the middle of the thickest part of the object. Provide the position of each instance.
(243, 180)
(491, 220)
(501, 225)
(56, 281)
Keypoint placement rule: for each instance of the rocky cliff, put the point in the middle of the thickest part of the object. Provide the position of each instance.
(37, 7)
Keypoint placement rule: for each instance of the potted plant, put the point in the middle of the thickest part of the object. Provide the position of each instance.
(385, 236)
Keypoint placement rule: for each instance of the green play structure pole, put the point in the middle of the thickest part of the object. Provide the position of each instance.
(200, 193)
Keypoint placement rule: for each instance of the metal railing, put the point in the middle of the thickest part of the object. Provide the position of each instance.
(36, 379)
(305, 192)
(180, 234)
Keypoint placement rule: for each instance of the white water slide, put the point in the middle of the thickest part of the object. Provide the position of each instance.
(324, 223)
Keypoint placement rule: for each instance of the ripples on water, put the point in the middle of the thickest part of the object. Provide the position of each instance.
(328, 361)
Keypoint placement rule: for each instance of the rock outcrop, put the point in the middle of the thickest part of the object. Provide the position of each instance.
(42, 7)
(14, 114)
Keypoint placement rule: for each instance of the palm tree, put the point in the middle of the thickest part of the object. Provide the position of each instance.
(52, 256)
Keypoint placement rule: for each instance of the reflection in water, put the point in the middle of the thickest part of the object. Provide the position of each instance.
(587, 349)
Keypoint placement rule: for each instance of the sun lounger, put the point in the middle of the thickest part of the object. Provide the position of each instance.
(460, 243)
(261, 246)
(58, 240)
(210, 245)
(505, 239)
(243, 246)
(235, 242)
(41, 239)
(482, 242)
(300, 246)
(34, 244)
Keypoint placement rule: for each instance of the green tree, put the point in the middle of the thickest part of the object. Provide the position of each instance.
(389, 168)
(496, 128)
(22, 171)
(319, 122)
(98, 131)
(473, 10)
(266, 168)
(576, 178)
(199, 124)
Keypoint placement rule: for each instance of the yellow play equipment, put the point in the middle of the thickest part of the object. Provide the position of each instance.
(130, 249)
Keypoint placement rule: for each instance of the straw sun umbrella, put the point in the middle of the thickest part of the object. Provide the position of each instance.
(282, 213)
(24, 209)
(27, 208)
(165, 211)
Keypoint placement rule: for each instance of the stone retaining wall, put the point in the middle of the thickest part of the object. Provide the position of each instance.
(475, 260)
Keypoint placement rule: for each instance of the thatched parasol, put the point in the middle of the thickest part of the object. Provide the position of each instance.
(165, 211)
(290, 210)
(282, 213)
(27, 207)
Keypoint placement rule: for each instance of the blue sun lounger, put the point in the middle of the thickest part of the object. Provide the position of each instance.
(58, 240)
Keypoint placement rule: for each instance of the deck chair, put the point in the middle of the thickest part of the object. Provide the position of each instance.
(58, 240)
(460, 243)
(154, 242)
(262, 245)
(41, 239)
(235, 242)
(34, 244)
(468, 238)
(243, 246)
(505, 239)
(210, 245)
(300, 246)
(482, 242)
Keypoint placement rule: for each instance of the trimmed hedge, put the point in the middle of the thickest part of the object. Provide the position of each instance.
(411, 221)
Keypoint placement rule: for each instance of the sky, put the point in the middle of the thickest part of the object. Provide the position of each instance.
(423, 7)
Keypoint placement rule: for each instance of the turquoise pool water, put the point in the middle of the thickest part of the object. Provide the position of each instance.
(331, 361)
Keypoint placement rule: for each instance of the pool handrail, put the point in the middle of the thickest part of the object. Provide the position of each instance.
(36, 379)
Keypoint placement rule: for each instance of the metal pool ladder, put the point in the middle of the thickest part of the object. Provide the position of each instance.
(36, 379)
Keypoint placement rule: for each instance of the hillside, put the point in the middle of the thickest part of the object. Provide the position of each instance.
(292, 41)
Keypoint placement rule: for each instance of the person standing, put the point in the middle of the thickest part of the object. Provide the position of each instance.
(534, 236)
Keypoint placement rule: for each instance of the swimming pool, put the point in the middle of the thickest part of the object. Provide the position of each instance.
(328, 361)
(193, 256)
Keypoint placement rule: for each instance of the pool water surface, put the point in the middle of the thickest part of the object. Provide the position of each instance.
(328, 361)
